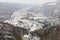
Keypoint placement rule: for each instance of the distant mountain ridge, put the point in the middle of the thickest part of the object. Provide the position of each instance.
(50, 9)
(6, 9)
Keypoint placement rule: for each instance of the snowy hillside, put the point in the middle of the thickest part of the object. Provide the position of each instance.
(28, 20)
(31, 22)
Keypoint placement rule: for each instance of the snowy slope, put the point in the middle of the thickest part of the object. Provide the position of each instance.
(32, 22)
(27, 20)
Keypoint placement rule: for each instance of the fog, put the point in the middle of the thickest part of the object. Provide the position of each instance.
(28, 1)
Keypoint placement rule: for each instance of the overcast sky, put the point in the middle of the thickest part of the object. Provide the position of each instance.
(28, 1)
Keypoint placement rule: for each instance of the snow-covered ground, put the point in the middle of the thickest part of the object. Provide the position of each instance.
(30, 21)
